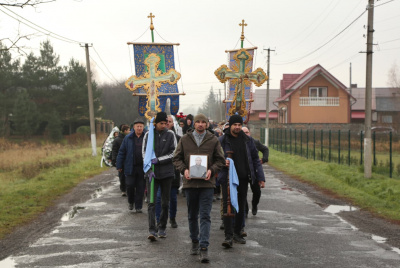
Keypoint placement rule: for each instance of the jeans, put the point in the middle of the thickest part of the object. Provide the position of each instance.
(239, 216)
(165, 186)
(173, 202)
(135, 187)
(122, 184)
(199, 203)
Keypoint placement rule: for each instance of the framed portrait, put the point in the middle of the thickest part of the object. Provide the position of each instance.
(198, 166)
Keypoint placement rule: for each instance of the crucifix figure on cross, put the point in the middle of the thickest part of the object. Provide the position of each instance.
(240, 77)
(151, 82)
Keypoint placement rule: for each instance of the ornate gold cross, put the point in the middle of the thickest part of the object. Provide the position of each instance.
(151, 16)
(242, 24)
(151, 81)
(258, 77)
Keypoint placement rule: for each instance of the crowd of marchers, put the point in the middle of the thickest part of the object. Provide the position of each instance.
(202, 160)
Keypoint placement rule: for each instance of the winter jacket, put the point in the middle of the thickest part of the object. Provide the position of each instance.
(126, 154)
(263, 149)
(115, 147)
(164, 147)
(209, 146)
(256, 171)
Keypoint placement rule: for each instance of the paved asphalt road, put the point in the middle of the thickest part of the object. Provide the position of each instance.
(290, 230)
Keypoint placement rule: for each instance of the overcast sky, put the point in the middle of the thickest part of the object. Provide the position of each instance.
(302, 33)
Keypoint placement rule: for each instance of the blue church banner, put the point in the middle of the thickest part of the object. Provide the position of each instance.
(166, 53)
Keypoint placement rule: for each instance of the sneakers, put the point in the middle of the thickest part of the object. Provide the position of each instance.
(238, 239)
(243, 233)
(130, 206)
(204, 255)
(254, 210)
(123, 194)
(162, 233)
(195, 248)
(173, 223)
(139, 210)
(152, 236)
(227, 243)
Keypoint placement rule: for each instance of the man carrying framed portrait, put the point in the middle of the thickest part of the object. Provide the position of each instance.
(199, 156)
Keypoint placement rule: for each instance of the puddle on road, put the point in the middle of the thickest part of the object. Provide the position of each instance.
(7, 263)
(334, 209)
(379, 239)
(71, 214)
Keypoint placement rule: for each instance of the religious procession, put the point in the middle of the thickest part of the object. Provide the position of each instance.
(165, 154)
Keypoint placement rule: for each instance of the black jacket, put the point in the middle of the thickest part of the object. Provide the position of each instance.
(263, 149)
(164, 147)
(115, 147)
(255, 168)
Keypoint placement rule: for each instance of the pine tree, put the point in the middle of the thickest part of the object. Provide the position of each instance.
(25, 115)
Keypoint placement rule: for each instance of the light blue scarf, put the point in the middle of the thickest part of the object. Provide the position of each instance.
(149, 154)
(233, 184)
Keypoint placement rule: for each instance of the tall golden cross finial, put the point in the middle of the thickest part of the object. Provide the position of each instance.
(151, 16)
(242, 24)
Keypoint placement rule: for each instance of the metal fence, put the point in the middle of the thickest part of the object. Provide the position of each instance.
(342, 147)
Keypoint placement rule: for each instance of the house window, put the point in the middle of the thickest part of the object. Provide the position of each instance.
(318, 92)
(387, 119)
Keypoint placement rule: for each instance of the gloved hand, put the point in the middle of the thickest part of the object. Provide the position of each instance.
(151, 175)
(154, 161)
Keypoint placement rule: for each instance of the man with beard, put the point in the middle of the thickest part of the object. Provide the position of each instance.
(199, 192)
(248, 168)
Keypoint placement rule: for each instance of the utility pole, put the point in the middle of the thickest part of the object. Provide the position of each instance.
(267, 102)
(90, 97)
(368, 93)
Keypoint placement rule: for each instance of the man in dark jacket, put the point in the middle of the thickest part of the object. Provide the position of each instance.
(173, 202)
(255, 188)
(248, 168)
(164, 147)
(130, 161)
(199, 192)
(124, 130)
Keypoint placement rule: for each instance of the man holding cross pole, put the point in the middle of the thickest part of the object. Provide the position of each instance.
(158, 148)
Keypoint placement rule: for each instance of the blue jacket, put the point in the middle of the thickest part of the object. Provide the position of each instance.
(256, 170)
(126, 154)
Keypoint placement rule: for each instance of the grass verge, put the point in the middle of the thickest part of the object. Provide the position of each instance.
(23, 197)
(379, 194)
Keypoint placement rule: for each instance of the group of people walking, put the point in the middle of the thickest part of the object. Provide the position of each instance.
(157, 160)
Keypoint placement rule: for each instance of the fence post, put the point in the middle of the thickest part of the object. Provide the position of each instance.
(314, 145)
(295, 140)
(361, 148)
(285, 142)
(349, 147)
(373, 146)
(322, 145)
(307, 145)
(390, 153)
(301, 142)
(330, 143)
(290, 140)
(281, 140)
(339, 146)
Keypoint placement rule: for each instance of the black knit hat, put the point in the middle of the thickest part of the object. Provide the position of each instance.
(235, 119)
(161, 116)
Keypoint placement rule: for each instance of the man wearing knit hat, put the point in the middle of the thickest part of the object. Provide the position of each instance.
(248, 168)
(199, 192)
(164, 147)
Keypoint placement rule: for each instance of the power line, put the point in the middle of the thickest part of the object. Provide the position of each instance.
(47, 32)
(330, 40)
(104, 64)
(97, 65)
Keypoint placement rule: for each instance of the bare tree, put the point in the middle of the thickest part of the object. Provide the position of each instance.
(394, 76)
(19, 3)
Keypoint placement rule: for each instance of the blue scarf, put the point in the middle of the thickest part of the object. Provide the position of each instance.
(149, 154)
(233, 184)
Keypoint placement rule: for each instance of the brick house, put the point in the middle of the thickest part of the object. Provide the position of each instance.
(315, 96)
